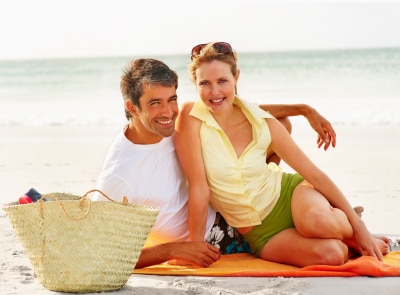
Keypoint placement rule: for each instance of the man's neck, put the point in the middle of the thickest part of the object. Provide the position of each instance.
(138, 136)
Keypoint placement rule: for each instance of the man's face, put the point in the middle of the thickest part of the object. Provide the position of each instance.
(158, 112)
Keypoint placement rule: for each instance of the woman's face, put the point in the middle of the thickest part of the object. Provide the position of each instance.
(215, 84)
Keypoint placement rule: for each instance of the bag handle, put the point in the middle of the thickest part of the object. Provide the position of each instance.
(82, 199)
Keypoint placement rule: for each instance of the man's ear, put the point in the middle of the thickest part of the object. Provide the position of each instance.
(132, 109)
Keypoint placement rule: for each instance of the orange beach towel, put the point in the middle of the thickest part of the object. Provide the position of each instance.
(247, 265)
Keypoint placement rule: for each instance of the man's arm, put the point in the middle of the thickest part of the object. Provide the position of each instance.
(324, 129)
(194, 253)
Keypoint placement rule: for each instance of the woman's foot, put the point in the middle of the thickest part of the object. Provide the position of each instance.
(359, 210)
(383, 244)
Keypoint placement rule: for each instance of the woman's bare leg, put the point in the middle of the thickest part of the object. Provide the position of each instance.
(290, 247)
(314, 217)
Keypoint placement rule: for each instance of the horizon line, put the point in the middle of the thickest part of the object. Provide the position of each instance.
(142, 55)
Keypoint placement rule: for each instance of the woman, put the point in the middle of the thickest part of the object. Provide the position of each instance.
(221, 141)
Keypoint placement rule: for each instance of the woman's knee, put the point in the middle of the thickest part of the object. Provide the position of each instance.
(311, 223)
(331, 252)
(320, 223)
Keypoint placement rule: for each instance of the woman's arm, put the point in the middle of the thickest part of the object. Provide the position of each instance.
(283, 144)
(188, 148)
(324, 129)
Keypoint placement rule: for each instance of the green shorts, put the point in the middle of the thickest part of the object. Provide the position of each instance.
(279, 219)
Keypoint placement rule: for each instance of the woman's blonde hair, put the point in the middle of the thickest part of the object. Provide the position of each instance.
(207, 54)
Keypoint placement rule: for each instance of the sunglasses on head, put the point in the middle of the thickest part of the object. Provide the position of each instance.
(220, 47)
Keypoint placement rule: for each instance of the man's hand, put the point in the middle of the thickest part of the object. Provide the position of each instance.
(324, 129)
(198, 253)
(195, 253)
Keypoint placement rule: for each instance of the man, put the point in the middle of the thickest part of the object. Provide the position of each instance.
(142, 165)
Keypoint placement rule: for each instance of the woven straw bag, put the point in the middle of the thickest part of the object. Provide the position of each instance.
(76, 245)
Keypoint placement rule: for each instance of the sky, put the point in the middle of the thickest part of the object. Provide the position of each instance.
(90, 28)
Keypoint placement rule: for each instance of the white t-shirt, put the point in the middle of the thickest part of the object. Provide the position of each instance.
(150, 175)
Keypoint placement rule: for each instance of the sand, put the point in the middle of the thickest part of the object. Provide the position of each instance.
(365, 165)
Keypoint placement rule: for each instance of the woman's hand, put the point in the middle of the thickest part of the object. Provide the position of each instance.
(367, 244)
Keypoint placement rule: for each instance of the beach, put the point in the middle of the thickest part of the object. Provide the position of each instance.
(365, 165)
(61, 107)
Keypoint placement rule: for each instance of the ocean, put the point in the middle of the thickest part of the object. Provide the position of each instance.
(349, 87)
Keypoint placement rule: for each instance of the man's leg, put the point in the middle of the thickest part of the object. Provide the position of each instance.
(226, 238)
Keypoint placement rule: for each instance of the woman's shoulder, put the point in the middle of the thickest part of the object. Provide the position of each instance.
(185, 120)
(253, 108)
(186, 107)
